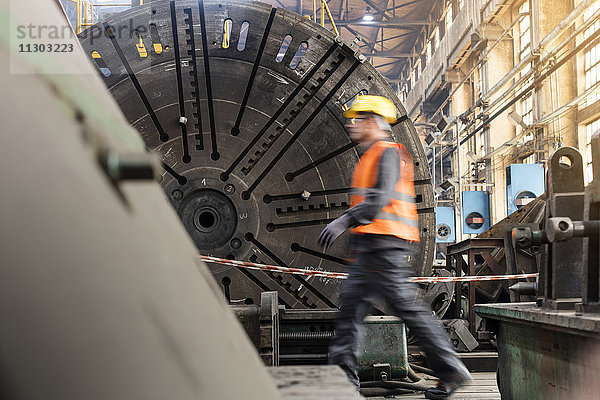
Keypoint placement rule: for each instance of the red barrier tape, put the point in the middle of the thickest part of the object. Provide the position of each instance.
(342, 275)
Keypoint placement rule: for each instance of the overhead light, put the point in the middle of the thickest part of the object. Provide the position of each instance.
(449, 183)
(446, 184)
(432, 137)
(443, 123)
(368, 16)
(472, 156)
(516, 119)
(429, 139)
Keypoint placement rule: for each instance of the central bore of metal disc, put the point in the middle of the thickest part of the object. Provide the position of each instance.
(209, 217)
(206, 219)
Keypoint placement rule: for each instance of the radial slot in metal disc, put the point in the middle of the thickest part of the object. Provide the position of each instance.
(244, 102)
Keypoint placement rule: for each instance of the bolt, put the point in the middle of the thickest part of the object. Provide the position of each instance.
(183, 120)
(177, 194)
(383, 376)
(229, 189)
(305, 195)
(563, 226)
(235, 243)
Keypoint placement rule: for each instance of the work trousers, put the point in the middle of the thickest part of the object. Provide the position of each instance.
(385, 275)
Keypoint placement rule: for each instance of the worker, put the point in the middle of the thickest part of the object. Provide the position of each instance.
(384, 227)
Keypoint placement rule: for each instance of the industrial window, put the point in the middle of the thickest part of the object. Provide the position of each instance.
(524, 31)
(481, 79)
(530, 159)
(481, 142)
(428, 52)
(592, 56)
(402, 94)
(417, 70)
(527, 109)
(524, 52)
(589, 131)
(449, 17)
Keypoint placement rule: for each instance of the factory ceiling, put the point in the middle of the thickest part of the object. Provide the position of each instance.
(389, 38)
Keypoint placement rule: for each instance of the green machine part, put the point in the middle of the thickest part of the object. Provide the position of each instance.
(384, 353)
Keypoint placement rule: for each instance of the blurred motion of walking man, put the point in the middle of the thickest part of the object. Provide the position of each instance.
(384, 223)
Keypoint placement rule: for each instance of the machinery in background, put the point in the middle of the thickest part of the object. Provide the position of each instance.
(557, 337)
(524, 182)
(244, 104)
(475, 212)
(292, 337)
(246, 164)
(445, 228)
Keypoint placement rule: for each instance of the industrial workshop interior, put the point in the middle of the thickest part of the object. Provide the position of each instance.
(300, 200)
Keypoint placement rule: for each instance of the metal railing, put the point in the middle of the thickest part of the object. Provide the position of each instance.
(324, 10)
(84, 12)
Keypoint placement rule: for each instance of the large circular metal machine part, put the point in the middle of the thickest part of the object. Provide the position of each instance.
(244, 103)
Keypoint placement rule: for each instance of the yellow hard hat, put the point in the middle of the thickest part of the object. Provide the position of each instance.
(374, 104)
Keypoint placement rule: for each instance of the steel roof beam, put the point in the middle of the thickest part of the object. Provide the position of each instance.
(379, 9)
(391, 23)
(391, 54)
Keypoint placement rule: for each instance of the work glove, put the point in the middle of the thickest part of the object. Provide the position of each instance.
(333, 230)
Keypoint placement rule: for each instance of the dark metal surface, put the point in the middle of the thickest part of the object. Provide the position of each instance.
(261, 323)
(460, 336)
(469, 248)
(305, 335)
(505, 260)
(545, 354)
(550, 349)
(563, 261)
(243, 136)
(591, 266)
(383, 355)
(439, 294)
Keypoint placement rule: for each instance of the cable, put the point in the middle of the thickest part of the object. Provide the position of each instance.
(423, 370)
(418, 383)
(383, 392)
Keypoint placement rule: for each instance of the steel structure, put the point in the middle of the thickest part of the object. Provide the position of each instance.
(244, 104)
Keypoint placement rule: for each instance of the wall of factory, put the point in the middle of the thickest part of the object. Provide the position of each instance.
(511, 81)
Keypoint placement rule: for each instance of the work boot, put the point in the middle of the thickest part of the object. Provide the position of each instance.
(440, 391)
(444, 390)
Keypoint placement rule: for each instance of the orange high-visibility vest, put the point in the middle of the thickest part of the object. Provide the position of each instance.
(399, 217)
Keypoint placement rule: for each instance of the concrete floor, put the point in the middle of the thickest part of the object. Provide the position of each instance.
(319, 382)
(482, 387)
